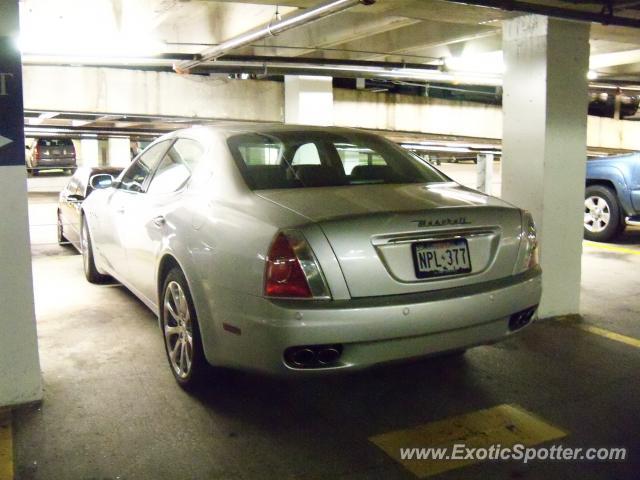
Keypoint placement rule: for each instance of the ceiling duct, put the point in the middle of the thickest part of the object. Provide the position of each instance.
(303, 17)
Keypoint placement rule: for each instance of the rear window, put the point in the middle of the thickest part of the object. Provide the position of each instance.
(305, 159)
(55, 142)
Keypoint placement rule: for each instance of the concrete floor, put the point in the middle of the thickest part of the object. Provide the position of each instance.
(113, 411)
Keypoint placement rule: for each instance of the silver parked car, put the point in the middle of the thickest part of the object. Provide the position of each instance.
(299, 250)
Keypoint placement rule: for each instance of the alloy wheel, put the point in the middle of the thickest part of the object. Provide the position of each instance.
(84, 246)
(60, 233)
(178, 329)
(597, 214)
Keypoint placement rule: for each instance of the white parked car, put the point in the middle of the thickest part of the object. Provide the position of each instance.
(298, 250)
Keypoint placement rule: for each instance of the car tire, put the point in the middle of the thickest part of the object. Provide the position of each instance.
(62, 240)
(181, 332)
(602, 217)
(90, 271)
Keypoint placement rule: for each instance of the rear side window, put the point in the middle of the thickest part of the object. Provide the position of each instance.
(305, 159)
(175, 169)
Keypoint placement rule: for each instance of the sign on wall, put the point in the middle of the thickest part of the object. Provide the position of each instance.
(11, 110)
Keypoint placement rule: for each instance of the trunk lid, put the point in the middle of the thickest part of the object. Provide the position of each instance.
(378, 233)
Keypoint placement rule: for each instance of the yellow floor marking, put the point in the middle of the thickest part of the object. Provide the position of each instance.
(6, 446)
(612, 248)
(634, 342)
(504, 425)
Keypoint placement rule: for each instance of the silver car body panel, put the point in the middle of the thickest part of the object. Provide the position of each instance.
(219, 231)
(371, 229)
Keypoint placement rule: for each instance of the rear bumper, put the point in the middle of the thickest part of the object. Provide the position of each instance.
(372, 330)
(50, 163)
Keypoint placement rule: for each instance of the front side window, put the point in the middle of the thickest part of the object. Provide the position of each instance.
(175, 169)
(136, 175)
(72, 186)
(303, 159)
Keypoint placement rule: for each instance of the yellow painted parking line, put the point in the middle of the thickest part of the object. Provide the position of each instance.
(6, 446)
(634, 342)
(504, 425)
(612, 248)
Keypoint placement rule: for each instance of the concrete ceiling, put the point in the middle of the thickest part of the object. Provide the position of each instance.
(420, 31)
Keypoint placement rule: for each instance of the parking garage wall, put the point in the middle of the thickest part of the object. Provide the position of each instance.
(124, 91)
(416, 114)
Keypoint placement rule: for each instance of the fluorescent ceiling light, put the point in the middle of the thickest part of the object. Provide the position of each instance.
(436, 148)
(482, 63)
(99, 46)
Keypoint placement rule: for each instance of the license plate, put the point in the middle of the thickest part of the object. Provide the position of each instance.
(438, 259)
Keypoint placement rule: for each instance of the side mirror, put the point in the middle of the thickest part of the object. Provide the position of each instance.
(102, 180)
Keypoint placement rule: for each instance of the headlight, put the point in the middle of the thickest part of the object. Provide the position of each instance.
(528, 257)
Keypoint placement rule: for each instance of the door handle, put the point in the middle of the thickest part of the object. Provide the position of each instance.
(159, 221)
(120, 210)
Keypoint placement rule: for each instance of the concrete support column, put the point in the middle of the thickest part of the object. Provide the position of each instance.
(103, 152)
(544, 144)
(308, 100)
(484, 173)
(119, 152)
(20, 380)
(89, 155)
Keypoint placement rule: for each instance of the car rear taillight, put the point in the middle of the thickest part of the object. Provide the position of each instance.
(530, 255)
(36, 152)
(292, 270)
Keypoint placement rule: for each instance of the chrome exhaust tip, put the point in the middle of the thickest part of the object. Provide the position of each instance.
(303, 357)
(327, 356)
(522, 318)
(313, 356)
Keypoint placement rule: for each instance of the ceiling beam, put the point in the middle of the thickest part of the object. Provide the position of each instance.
(556, 12)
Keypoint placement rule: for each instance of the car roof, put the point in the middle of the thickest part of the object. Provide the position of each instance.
(239, 127)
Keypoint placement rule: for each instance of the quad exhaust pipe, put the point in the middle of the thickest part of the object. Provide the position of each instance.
(522, 318)
(313, 356)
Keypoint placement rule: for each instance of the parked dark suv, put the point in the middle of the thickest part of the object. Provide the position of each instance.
(51, 154)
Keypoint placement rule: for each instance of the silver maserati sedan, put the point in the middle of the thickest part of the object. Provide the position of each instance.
(300, 250)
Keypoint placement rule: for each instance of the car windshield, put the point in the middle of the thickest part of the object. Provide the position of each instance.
(303, 159)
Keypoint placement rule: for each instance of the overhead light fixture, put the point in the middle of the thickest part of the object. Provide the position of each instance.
(436, 148)
(484, 63)
(68, 44)
(42, 117)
